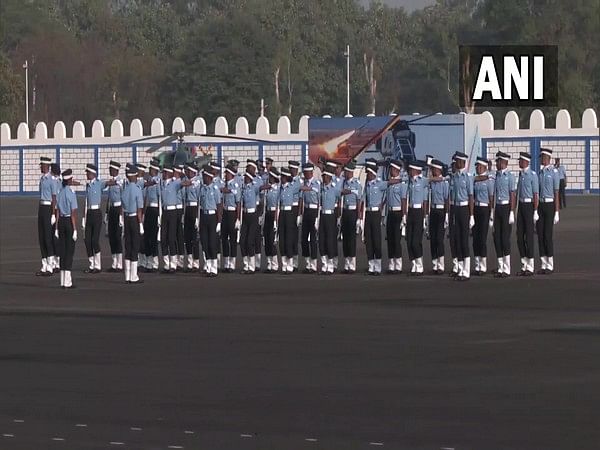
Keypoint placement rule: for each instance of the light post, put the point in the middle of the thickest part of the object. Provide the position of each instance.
(347, 55)
(26, 67)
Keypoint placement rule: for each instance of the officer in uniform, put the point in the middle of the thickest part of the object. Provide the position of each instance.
(527, 214)
(170, 188)
(179, 240)
(211, 204)
(351, 196)
(55, 262)
(115, 217)
(92, 218)
(311, 190)
(562, 176)
(438, 215)
(451, 228)
(220, 183)
(414, 216)
(152, 217)
(262, 179)
(294, 167)
(250, 193)
(483, 192)
(503, 213)
(46, 220)
(141, 182)
(66, 231)
(548, 210)
(231, 223)
(191, 221)
(288, 219)
(396, 193)
(464, 219)
(132, 200)
(330, 195)
(271, 216)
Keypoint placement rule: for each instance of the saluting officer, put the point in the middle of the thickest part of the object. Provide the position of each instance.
(352, 194)
(210, 221)
(330, 195)
(231, 223)
(179, 240)
(396, 193)
(66, 231)
(170, 188)
(528, 195)
(220, 183)
(191, 221)
(91, 223)
(270, 226)
(451, 227)
(152, 217)
(548, 210)
(141, 182)
(294, 167)
(414, 216)
(463, 214)
(115, 217)
(504, 213)
(262, 178)
(46, 219)
(250, 193)
(133, 208)
(288, 219)
(438, 215)
(310, 200)
(483, 192)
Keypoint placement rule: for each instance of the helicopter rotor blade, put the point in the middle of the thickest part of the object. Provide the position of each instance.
(223, 136)
(161, 144)
(135, 141)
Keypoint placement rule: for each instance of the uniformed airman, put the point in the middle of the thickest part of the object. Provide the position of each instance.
(270, 226)
(464, 219)
(46, 219)
(191, 223)
(329, 212)
(152, 217)
(527, 213)
(250, 193)
(66, 231)
(483, 193)
(288, 219)
(91, 223)
(548, 210)
(114, 218)
(351, 216)
(414, 218)
(439, 219)
(395, 195)
(310, 201)
(232, 215)
(211, 204)
(132, 200)
(504, 213)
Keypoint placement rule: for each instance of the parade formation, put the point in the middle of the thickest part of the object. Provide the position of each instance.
(182, 218)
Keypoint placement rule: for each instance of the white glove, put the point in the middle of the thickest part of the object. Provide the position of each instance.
(141, 228)
(275, 227)
(158, 234)
(121, 221)
(491, 222)
(238, 224)
(56, 233)
(383, 221)
(83, 223)
(425, 222)
(556, 218)
(182, 219)
(471, 221)
(339, 222)
(197, 223)
(358, 225)
(298, 221)
(317, 224)
(404, 221)
(105, 218)
(446, 221)
(218, 228)
(74, 235)
(511, 218)
(52, 219)
(158, 220)
(261, 220)
(536, 216)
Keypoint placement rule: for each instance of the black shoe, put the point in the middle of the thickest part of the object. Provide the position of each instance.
(390, 272)
(504, 275)
(453, 274)
(350, 271)
(461, 278)
(521, 273)
(528, 273)
(136, 282)
(56, 270)
(70, 287)
(43, 273)
(88, 270)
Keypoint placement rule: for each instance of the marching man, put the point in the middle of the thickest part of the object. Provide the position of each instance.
(503, 215)
(351, 196)
(483, 191)
(66, 230)
(438, 216)
(114, 218)
(414, 218)
(91, 223)
(548, 210)
(210, 222)
(46, 218)
(270, 225)
(133, 208)
(527, 215)
(463, 214)
(396, 193)
(231, 224)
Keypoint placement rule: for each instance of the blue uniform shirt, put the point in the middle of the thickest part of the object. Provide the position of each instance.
(93, 192)
(272, 196)
(152, 192)
(210, 196)
(329, 196)
(114, 192)
(169, 190)
(297, 181)
(311, 197)
(396, 193)
(462, 186)
(355, 188)
(132, 198)
(549, 181)
(289, 192)
(528, 184)
(48, 187)
(562, 172)
(418, 190)
(231, 199)
(483, 190)
(504, 185)
(374, 192)
(250, 192)
(440, 192)
(66, 201)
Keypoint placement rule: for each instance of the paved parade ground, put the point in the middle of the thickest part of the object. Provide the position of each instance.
(300, 362)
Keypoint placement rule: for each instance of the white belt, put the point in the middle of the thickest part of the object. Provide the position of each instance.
(547, 200)
(180, 206)
(94, 207)
(350, 207)
(481, 204)
(373, 208)
(526, 200)
(286, 208)
(116, 204)
(170, 208)
(312, 206)
(502, 202)
(272, 208)
(249, 210)
(192, 203)
(438, 206)
(462, 203)
(210, 212)
(66, 217)
(417, 206)
(327, 211)
(230, 208)
(295, 204)
(395, 208)
(131, 214)
(153, 204)
(45, 202)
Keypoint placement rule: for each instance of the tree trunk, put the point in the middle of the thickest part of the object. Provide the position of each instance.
(277, 99)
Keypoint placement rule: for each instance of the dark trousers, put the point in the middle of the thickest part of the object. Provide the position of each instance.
(66, 244)
(328, 235)
(502, 230)
(248, 234)
(561, 193)
(394, 234)
(269, 234)
(168, 232)
(229, 234)
(287, 233)
(93, 225)
(259, 232)
(45, 231)
(179, 239)
(525, 230)
(132, 237)
(451, 228)
(373, 234)
(151, 231)
(190, 233)
(436, 232)
(309, 248)
(480, 230)
(545, 228)
(461, 231)
(208, 235)
(414, 233)
(349, 218)
(114, 230)
(296, 231)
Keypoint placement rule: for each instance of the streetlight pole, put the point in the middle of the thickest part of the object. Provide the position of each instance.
(347, 55)
(26, 67)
